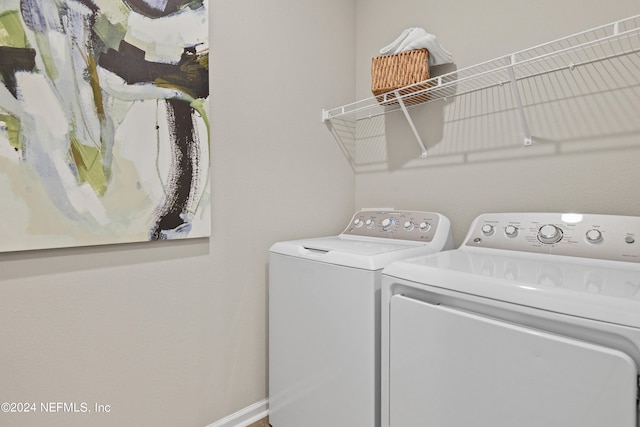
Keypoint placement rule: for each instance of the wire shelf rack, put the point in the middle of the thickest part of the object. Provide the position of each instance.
(606, 42)
(597, 44)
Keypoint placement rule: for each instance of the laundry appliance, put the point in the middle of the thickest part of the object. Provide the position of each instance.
(324, 316)
(533, 321)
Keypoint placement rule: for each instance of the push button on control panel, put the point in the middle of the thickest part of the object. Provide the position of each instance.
(594, 236)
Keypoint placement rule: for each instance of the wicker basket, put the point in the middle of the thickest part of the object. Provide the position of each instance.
(391, 72)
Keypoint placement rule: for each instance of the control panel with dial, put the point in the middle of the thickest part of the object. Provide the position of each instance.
(406, 225)
(608, 237)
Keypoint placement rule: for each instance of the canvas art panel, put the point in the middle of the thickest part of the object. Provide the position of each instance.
(104, 128)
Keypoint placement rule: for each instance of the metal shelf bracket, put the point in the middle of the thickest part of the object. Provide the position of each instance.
(413, 126)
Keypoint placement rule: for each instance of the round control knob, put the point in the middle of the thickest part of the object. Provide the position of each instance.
(408, 225)
(511, 231)
(629, 239)
(358, 223)
(549, 234)
(425, 226)
(487, 229)
(594, 236)
(369, 223)
(388, 224)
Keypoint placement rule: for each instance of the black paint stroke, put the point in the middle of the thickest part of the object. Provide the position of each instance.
(182, 178)
(173, 6)
(89, 4)
(13, 59)
(190, 75)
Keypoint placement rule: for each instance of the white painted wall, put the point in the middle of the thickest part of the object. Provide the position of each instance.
(174, 333)
(478, 164)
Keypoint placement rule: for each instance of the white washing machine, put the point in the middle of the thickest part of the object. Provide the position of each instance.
(324, 316)
(534, 321)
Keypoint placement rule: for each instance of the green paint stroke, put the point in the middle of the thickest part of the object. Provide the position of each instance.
(13, 130)
(195, 4)
(12, 32)
(88, 161)
(94, 82)
(111, 34)
(46, 53)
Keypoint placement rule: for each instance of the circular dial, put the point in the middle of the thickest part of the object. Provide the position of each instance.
(369, 223)
(549, 234)
(594, 236)
(388, 224)
(487, 229)
(358, 223)
(511, 231)
(424, 226)
(408, 225)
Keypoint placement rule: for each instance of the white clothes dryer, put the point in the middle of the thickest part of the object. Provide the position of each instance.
(324, 316)
(534, 321)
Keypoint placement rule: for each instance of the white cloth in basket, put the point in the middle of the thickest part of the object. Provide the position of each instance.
(418, 38)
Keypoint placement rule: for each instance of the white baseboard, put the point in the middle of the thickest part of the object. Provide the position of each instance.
(245, 416)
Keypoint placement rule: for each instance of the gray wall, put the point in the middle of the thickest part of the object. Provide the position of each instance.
(174, 333)
(585, 151)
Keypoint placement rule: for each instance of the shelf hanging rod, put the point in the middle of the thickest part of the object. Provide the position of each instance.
(516, 94)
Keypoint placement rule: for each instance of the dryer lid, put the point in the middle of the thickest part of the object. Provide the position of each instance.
(604, 291)
(357, 252)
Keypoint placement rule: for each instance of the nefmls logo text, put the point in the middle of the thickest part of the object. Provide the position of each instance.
(67, 407)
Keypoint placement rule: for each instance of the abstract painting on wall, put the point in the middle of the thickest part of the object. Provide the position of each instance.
(104, 133)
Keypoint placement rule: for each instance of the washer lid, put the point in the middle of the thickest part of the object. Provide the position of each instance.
(604, 291)
(357, 252)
